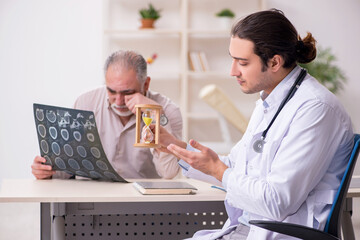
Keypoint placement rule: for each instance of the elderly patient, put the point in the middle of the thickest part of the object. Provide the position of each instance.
(126, 84)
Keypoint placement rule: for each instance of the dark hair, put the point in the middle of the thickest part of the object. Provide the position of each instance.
(272, 33)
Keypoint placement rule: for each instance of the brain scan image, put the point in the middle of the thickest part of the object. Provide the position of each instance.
(69, 141)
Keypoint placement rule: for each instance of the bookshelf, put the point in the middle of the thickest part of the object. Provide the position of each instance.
(185, 26)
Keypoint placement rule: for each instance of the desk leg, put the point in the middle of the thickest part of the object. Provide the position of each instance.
(347, 227)
(58, 221)
(45, 221)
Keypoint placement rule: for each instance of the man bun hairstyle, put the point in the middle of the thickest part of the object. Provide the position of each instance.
(273, 34)
(305, 49)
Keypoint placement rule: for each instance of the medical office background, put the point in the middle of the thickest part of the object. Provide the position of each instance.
(51, 51)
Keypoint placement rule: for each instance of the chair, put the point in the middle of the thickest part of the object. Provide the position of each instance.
(333, 224)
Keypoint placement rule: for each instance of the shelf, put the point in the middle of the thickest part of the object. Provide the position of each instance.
(163, 76)
(212, 74)
(155, 32)
(218, 33)
(202, 116)
(186, 26)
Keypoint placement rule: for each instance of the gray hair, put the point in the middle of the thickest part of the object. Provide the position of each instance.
(128, 60)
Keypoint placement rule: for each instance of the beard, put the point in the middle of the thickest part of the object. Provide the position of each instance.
(115, 108)
(263, 83)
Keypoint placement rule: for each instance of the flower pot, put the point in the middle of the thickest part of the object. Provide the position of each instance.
(226, 22)
(147, 23)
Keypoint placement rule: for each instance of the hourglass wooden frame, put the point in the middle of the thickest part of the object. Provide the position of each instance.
(138, 108)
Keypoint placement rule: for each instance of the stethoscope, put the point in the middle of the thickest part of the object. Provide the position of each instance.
(259, 144)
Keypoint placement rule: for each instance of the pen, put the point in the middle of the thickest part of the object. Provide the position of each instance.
(220, 188)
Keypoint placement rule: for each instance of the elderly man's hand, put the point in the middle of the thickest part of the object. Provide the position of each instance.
(137, 98)
(40, 170)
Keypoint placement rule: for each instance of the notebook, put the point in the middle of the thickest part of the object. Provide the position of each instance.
(164, 188)
(69, 141)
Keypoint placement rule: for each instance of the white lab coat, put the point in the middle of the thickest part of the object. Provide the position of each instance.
(296, 177)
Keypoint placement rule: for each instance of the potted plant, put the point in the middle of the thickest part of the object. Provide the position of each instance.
(226, 16)
(325, 71)
(226, 13)
(149, 16)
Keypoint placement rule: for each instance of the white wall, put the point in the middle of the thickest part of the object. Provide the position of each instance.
(50, 51)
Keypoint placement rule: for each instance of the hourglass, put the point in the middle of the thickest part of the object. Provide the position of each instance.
(148, 114)
(147, 135)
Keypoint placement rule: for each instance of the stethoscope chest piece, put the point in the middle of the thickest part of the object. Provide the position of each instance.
(259, 145)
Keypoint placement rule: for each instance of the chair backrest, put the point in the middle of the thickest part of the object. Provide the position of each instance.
(333, 222)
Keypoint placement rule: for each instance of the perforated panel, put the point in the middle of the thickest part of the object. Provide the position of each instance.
(134, 220)
(141, 226)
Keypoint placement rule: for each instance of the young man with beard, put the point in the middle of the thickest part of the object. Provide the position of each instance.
(289, 163)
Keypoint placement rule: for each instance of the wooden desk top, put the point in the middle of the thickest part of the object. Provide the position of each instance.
(81, 190)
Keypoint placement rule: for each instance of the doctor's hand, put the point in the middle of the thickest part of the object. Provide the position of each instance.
(137, 98)
(206, 161)
(40, 170)
(166, 138)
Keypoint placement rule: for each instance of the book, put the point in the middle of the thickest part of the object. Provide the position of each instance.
(203, 61)
(195, 64)
(164, 188)
(191, 62)
(198, 61)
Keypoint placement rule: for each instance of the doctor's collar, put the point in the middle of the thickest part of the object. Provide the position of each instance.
(279, 91)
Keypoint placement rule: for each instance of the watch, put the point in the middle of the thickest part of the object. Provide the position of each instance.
(163, 120)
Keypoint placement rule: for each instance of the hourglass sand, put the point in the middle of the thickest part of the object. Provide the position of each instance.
(148, 114)
(147, 135)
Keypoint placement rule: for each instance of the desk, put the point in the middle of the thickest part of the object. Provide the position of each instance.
(108, 210)
(98, 204)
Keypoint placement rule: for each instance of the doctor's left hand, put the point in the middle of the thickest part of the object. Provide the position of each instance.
(206, 161)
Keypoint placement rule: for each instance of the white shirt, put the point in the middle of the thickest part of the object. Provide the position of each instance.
(296, 177)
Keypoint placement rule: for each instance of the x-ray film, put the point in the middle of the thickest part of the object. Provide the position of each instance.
(70, 142)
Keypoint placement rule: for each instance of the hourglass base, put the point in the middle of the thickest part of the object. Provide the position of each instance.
(147, 145)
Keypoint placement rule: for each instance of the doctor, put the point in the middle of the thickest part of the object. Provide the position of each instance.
(289, 163)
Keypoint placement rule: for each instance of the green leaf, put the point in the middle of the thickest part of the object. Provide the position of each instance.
(150, 12)
(325, 71)
(226, 13)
